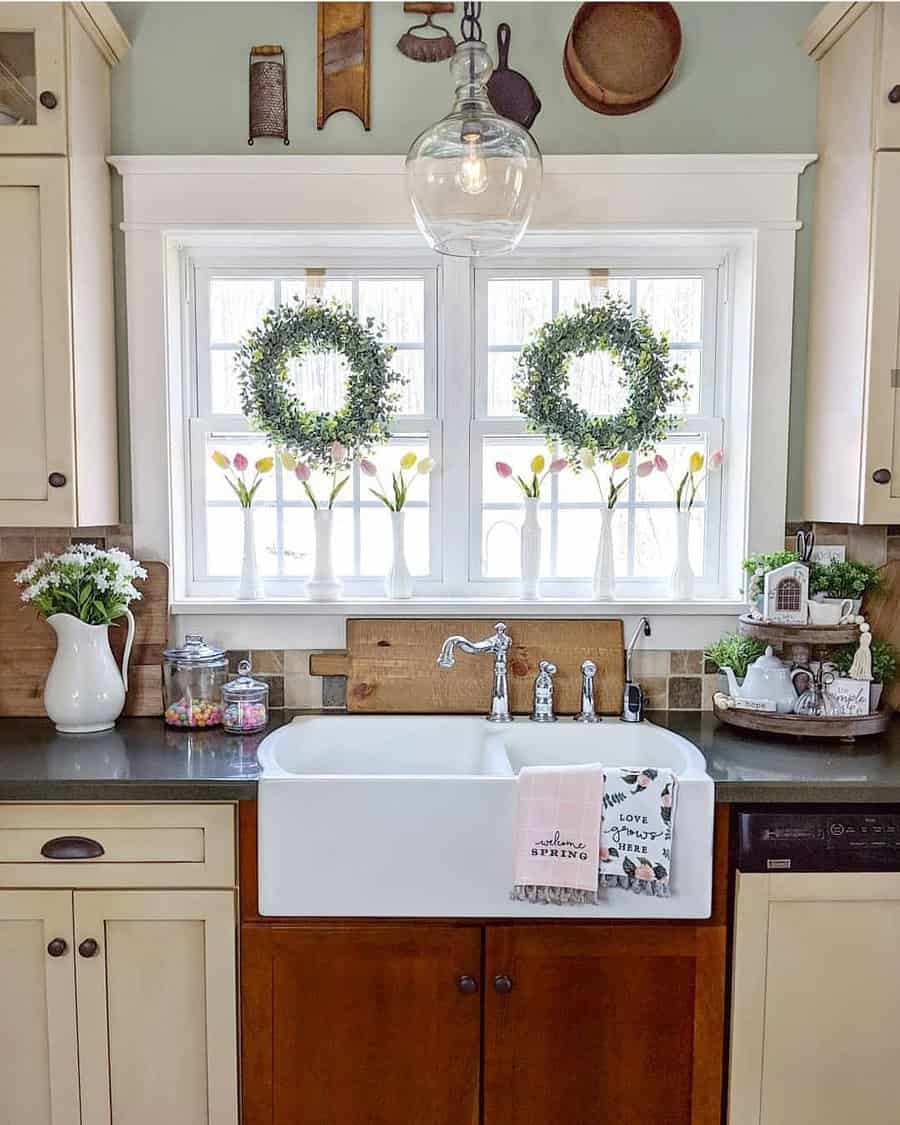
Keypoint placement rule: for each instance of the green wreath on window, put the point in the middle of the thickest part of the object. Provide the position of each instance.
(269, 398)
(652, 383)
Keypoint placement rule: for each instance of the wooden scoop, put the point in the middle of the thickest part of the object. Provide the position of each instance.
(511, 94)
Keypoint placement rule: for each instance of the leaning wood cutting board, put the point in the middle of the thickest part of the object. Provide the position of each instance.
(391, 664)
(27, 645)
(882, 610)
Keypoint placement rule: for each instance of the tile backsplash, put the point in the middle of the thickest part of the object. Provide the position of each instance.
(678, 679)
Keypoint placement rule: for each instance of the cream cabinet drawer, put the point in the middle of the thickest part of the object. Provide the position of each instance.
(72, 845)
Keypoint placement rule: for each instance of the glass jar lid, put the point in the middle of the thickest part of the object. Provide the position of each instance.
(195, 650)
(244, 686)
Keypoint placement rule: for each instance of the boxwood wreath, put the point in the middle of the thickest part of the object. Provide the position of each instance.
(652, 383)
(270, 401)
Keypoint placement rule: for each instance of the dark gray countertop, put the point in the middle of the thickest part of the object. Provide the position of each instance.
(142, 760)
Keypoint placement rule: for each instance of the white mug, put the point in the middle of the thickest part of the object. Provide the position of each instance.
(829, 612)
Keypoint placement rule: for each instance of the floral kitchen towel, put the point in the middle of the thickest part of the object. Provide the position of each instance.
(636, 832)
(558, 832)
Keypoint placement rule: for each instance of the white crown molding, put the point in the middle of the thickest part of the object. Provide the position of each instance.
(657, 164)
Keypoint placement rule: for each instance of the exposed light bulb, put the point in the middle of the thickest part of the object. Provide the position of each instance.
(472, 176)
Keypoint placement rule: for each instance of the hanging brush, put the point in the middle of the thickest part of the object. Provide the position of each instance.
(428, 47)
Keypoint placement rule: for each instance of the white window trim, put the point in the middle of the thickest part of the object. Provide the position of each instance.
(747, 203)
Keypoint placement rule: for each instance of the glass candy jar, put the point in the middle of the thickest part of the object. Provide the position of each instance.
(193, 677)
(246, 702)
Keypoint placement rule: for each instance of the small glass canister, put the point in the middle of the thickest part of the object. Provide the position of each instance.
(246, 702)
(193, 676)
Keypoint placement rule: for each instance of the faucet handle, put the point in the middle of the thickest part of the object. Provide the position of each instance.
(542, 711)
(548, 667)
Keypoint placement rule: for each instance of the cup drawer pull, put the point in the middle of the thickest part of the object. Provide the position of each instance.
(72, 847)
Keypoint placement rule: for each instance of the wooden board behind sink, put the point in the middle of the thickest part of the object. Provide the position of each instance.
(391, 664)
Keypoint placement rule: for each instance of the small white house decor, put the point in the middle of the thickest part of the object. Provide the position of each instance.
(786, 594)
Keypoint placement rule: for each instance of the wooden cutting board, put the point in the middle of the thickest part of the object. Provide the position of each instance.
(882, 610)
(391, 664)
(27, 645)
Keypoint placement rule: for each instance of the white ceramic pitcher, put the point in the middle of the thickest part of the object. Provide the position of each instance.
(85, 691)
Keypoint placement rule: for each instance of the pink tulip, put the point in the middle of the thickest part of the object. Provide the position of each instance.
(338, 452)
(240, 462)
(660, 462)
(716, 459)
(645, 468)
(302, 472)
(558, 465)
(503, 470)
(367, 467)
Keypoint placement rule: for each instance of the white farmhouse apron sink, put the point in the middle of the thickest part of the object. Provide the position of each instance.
(413, 816)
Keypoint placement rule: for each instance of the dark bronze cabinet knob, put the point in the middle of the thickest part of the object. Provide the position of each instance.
(48, 99)
(57, 947)
(882, 476)
(56, 480)
(467, 985)
(894, 96)
(89, 948)
(503, 984)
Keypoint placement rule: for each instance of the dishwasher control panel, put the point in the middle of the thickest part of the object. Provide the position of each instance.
(843, 839)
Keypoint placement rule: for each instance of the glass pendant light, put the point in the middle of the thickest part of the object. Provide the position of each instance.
(474, 176)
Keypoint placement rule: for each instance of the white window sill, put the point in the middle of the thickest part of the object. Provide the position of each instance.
(462, 607)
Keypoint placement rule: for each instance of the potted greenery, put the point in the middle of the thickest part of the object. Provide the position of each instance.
(736, 652)
(842, 579)
(884, 666)
(758, 566)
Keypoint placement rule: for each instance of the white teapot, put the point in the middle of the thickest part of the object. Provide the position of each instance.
(767, 678)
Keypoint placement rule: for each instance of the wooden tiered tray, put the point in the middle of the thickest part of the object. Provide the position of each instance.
(798, 643)
(844, 727)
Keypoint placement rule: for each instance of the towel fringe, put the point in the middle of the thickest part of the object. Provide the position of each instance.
(568, 896)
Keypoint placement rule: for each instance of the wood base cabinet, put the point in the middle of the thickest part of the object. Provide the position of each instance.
(422, 1024)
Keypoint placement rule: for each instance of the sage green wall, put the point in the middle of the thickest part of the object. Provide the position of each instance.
(743, 85)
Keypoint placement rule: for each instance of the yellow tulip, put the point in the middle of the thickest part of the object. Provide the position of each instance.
(221, 460)
(265, 464)
(621, 459)
(587, 459)
(695, 464)
(537, 463)
(407, 460)
(425, 466)
(288, 460)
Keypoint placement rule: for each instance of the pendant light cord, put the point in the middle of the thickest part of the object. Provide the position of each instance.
(470, 24)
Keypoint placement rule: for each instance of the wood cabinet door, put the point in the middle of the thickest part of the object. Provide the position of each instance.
(604, 1023)
(157, 1007)
(31, 64)
(36, 393)
(881, 499)
(360, 1024)
(38, 1047)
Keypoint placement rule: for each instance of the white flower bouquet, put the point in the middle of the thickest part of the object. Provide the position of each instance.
(93, 585)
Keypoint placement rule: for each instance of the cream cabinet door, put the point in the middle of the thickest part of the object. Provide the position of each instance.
(880, 470)
(38, 1047)
(816, 991)
(32, 64)
(887, 122)
(36, 393)
(157, 1007)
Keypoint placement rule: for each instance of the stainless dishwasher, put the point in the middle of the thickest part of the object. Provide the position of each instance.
(816, 971)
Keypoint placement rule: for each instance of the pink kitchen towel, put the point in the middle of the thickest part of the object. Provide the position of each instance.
(558, 828)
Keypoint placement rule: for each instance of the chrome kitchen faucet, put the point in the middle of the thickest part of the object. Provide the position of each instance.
(498, 644)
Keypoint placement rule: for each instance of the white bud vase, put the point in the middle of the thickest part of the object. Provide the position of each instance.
(530, 550)
(85, 691)
(682, 575)
(604, 589)
(250, 588)
(398, 580)
(323, 585)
